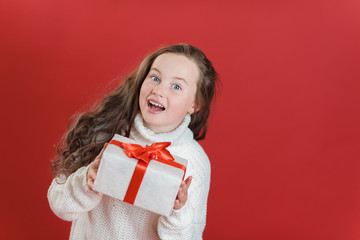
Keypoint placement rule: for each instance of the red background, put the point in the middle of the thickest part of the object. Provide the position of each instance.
(284, 132)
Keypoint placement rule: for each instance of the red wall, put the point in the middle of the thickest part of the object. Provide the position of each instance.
(284, 132)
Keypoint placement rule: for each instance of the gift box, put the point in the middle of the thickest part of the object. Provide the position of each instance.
(145, 176)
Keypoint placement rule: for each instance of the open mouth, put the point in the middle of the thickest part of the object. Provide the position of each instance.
(155, 106)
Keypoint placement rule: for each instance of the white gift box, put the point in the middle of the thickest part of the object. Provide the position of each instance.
(158, 188)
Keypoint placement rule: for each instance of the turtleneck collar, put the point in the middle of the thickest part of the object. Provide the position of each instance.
(141, 133)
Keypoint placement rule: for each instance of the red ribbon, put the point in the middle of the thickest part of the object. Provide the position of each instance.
(156, 151)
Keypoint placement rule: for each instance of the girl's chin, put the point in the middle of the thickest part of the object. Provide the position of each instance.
(156, 128)
(150, 122)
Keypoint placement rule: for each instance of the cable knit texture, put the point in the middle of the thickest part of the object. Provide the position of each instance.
(103, 217)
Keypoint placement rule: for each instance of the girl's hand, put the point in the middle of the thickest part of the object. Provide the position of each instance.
(93, 168)
(182, 194)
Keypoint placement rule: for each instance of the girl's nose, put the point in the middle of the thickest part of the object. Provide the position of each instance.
(157, 90)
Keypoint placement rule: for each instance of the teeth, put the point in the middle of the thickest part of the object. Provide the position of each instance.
(156, 104)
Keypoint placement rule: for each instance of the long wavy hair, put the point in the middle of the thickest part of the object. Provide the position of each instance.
(116, 112)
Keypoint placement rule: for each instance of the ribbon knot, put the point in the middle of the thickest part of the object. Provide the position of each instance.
(146, 154)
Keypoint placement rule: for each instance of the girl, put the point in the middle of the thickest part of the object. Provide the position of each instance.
(167, 99)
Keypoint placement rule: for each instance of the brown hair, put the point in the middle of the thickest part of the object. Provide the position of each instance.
(117, 111)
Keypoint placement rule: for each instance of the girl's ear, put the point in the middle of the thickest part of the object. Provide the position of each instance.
(194, 108)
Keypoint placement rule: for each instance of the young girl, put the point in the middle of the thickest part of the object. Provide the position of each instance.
(167, 99)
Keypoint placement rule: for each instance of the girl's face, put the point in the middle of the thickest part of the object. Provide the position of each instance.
(168, 92)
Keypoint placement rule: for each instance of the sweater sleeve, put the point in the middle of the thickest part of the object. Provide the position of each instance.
(71, 198)
(189, 221)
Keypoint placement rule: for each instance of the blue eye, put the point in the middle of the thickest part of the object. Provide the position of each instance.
(176, 87)
(155, 79)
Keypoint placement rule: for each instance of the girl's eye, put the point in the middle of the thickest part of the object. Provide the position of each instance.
(155, 79)
(176, 87)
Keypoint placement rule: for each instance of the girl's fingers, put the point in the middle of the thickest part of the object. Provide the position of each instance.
(177, 205)
(184, 187)
(90, 183)
(91, 180)
(180, 201)
(95, 164)
(92, 171)
(188, 182)
(182, 194)
(91, 176)
(102, 151)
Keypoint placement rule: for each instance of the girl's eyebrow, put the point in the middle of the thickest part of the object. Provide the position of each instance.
(181, 79)
(177, 78)
(155, 69)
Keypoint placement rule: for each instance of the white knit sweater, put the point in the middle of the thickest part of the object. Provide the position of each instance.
(103, 217)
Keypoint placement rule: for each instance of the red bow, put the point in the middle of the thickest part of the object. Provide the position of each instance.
(154, 151)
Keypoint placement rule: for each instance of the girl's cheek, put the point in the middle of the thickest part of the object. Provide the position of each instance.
(147, 90)
(146, 86)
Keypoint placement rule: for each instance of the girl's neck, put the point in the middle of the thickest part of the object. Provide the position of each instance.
(141, 133)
